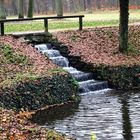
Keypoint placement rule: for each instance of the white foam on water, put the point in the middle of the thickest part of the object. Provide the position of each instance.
(60, 61)
(51, 53)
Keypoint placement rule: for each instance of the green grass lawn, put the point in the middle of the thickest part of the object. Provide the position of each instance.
(100, 18)
(111, 15)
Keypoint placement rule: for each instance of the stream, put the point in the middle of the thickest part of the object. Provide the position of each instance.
(108, 114)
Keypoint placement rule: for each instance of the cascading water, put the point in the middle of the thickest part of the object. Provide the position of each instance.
(43, 47)
(86, 81)
(60, 61)
(51, 53)
(110, 116)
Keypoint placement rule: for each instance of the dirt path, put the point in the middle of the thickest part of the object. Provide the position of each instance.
(135, 23)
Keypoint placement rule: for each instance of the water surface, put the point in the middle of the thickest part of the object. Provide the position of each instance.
(111, 116)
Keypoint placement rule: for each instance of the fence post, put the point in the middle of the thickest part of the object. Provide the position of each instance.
(80, 23)
(46, 25)
(2, 28)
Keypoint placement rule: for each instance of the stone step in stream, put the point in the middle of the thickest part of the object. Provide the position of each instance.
(86, 80)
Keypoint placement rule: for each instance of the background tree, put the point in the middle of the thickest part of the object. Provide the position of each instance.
(59, 7)
(69, 6)
(2, 10)
(14, 7)
(124, 17)
(20, 8)
(30, 8)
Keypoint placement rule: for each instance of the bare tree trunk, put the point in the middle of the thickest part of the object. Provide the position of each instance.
(20, 9)
(71, 6)
(59, 7)
(98, 4)
(53, 6)
(89, 5)
(25, 7)
(14, 6)
(30, 8)
(2, 10)
(124, 17)
(81, 4)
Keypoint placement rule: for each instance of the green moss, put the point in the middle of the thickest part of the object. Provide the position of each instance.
(8, 52)
(12, 57)
(56, 70)
(121, 77)
(51, 135)
(37, 38)
(39, 92)
(110, 34)
(74, 37)
(132, 50)
(75, 82)
(19, 77)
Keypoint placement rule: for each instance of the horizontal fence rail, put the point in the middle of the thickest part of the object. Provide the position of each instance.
(2, 27)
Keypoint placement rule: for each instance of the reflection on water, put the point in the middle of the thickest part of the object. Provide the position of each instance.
(54, 113)
(127, 126)
(111, 116)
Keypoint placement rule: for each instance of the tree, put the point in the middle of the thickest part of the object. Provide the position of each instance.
(89, 5)
(30, 8)
(2, 10)
(14, 6)
(20, 9)
(98, 4)
(124, 17)
(59, 7)
(53, 6)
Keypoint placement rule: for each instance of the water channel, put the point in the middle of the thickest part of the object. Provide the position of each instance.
(111, 115)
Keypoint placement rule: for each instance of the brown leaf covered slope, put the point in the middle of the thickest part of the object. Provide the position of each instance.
(101, 45)
(37, 64)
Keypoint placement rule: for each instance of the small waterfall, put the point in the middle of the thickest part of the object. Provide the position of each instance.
(43, 47)
(87, 84)
(60, 61)
(81, 76)
(51, 53)
(92, 108)
(69, 69)
(91, 85)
